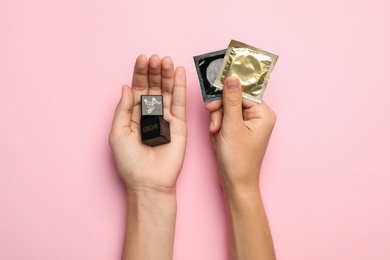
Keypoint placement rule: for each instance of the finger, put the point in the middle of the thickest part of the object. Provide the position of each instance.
(154, 75)
(140, 83)
(123, 111)
(213, 105)
(215, 121)
(178, 108)
(267, 112)
(246, 103)
(251, 109)
(168, 78)
(254, 110)
(232, 102)
(213, 140)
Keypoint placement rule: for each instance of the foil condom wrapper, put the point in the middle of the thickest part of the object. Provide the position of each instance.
(208, 66)
(251, 65)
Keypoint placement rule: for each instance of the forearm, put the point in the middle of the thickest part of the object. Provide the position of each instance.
(150, 227)
(249, 232)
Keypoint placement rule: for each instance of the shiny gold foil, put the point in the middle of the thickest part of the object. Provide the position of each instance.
(251, 65)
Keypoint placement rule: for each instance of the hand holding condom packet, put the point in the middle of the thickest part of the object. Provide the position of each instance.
(251, 65)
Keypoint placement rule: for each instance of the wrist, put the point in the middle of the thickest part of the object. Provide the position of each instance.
(241, 193)
(239, 180)
(147, 189)
(151, 200)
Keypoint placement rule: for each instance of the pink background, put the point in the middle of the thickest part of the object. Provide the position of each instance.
(325, 179)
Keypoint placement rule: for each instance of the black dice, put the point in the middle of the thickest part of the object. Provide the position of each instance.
(154, 128)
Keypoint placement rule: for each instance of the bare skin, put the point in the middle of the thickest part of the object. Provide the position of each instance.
(150, 174)
(239, 131)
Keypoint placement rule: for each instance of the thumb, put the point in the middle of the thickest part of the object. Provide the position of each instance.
(232, 102)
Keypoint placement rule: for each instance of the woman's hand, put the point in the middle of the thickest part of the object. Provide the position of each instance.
(140, 166)
(239, 130)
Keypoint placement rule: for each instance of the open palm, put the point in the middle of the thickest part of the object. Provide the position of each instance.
(139, 165)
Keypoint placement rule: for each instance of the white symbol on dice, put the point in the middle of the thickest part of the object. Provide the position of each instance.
(150, 104)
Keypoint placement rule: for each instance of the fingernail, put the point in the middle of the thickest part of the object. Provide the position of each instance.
(211, 125)
(232, 84)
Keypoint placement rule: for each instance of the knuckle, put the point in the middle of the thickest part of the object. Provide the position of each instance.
(269, 115)
(272, 116)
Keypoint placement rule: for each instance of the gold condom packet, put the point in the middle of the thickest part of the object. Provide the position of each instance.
(208, 66)
(251, 65)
